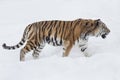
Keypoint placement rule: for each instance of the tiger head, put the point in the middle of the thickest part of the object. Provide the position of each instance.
(99, 29)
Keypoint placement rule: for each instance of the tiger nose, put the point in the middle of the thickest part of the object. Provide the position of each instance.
(108, 31)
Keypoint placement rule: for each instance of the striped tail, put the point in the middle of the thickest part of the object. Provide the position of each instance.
(14, 47)
(23, 40)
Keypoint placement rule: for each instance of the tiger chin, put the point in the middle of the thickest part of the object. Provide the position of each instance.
(59, 33)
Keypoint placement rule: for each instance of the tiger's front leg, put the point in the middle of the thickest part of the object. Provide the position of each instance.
(84, 49)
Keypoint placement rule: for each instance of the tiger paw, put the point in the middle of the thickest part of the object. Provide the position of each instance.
(87, 54)
(35, 55)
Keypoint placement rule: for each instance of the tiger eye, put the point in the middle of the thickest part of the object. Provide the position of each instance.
(91, 24)
(86, 23)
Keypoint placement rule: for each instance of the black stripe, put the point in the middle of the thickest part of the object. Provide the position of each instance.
(23, 40)
(50, 28)
(37, 50)
(83, 49)
(35, 47)
(30, 35)
(75, 25)
(30, 26)
(31, 46)
(27, 48)
(39, 31)
(21, 43)
(63, 29)
(60, 27)
(41, 48)
(61, 42)
(71, 27)
(49, 33)
(45, 22)
(17, 46)
(66, 27)
(53, 44)
(43, 30)
(45, 27)
(78, 40)
(74, 29)
(39, 44)
(86, 23)
(36, 41)
(50, 24)
(56, 35)
(31, 42)
(38, 34)
(41, 22)
(13, 47)
(55, 23)
(63, 48)
(8, 48)
(48, 39)
(52, 40)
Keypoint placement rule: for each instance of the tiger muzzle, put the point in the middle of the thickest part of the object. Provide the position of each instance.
(103, 36)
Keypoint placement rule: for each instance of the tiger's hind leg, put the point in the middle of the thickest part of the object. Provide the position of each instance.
(28, 47)
(37, 50)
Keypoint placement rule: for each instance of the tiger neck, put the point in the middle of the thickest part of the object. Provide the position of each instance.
(84, 37)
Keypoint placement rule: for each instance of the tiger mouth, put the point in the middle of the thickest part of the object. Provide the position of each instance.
(104, 36)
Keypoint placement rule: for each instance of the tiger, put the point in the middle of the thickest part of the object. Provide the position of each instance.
(59, 33)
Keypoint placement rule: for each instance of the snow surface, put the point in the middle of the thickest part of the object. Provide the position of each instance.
(104, 64)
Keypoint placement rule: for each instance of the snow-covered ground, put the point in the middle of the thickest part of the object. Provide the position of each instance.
(104, 64)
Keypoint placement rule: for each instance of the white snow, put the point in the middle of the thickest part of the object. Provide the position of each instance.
(104, 64)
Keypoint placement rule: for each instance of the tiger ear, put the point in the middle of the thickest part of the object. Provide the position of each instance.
(97, 22)
(98, 19)
(79, 19)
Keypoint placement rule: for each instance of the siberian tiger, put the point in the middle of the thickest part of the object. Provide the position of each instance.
(59, 33)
